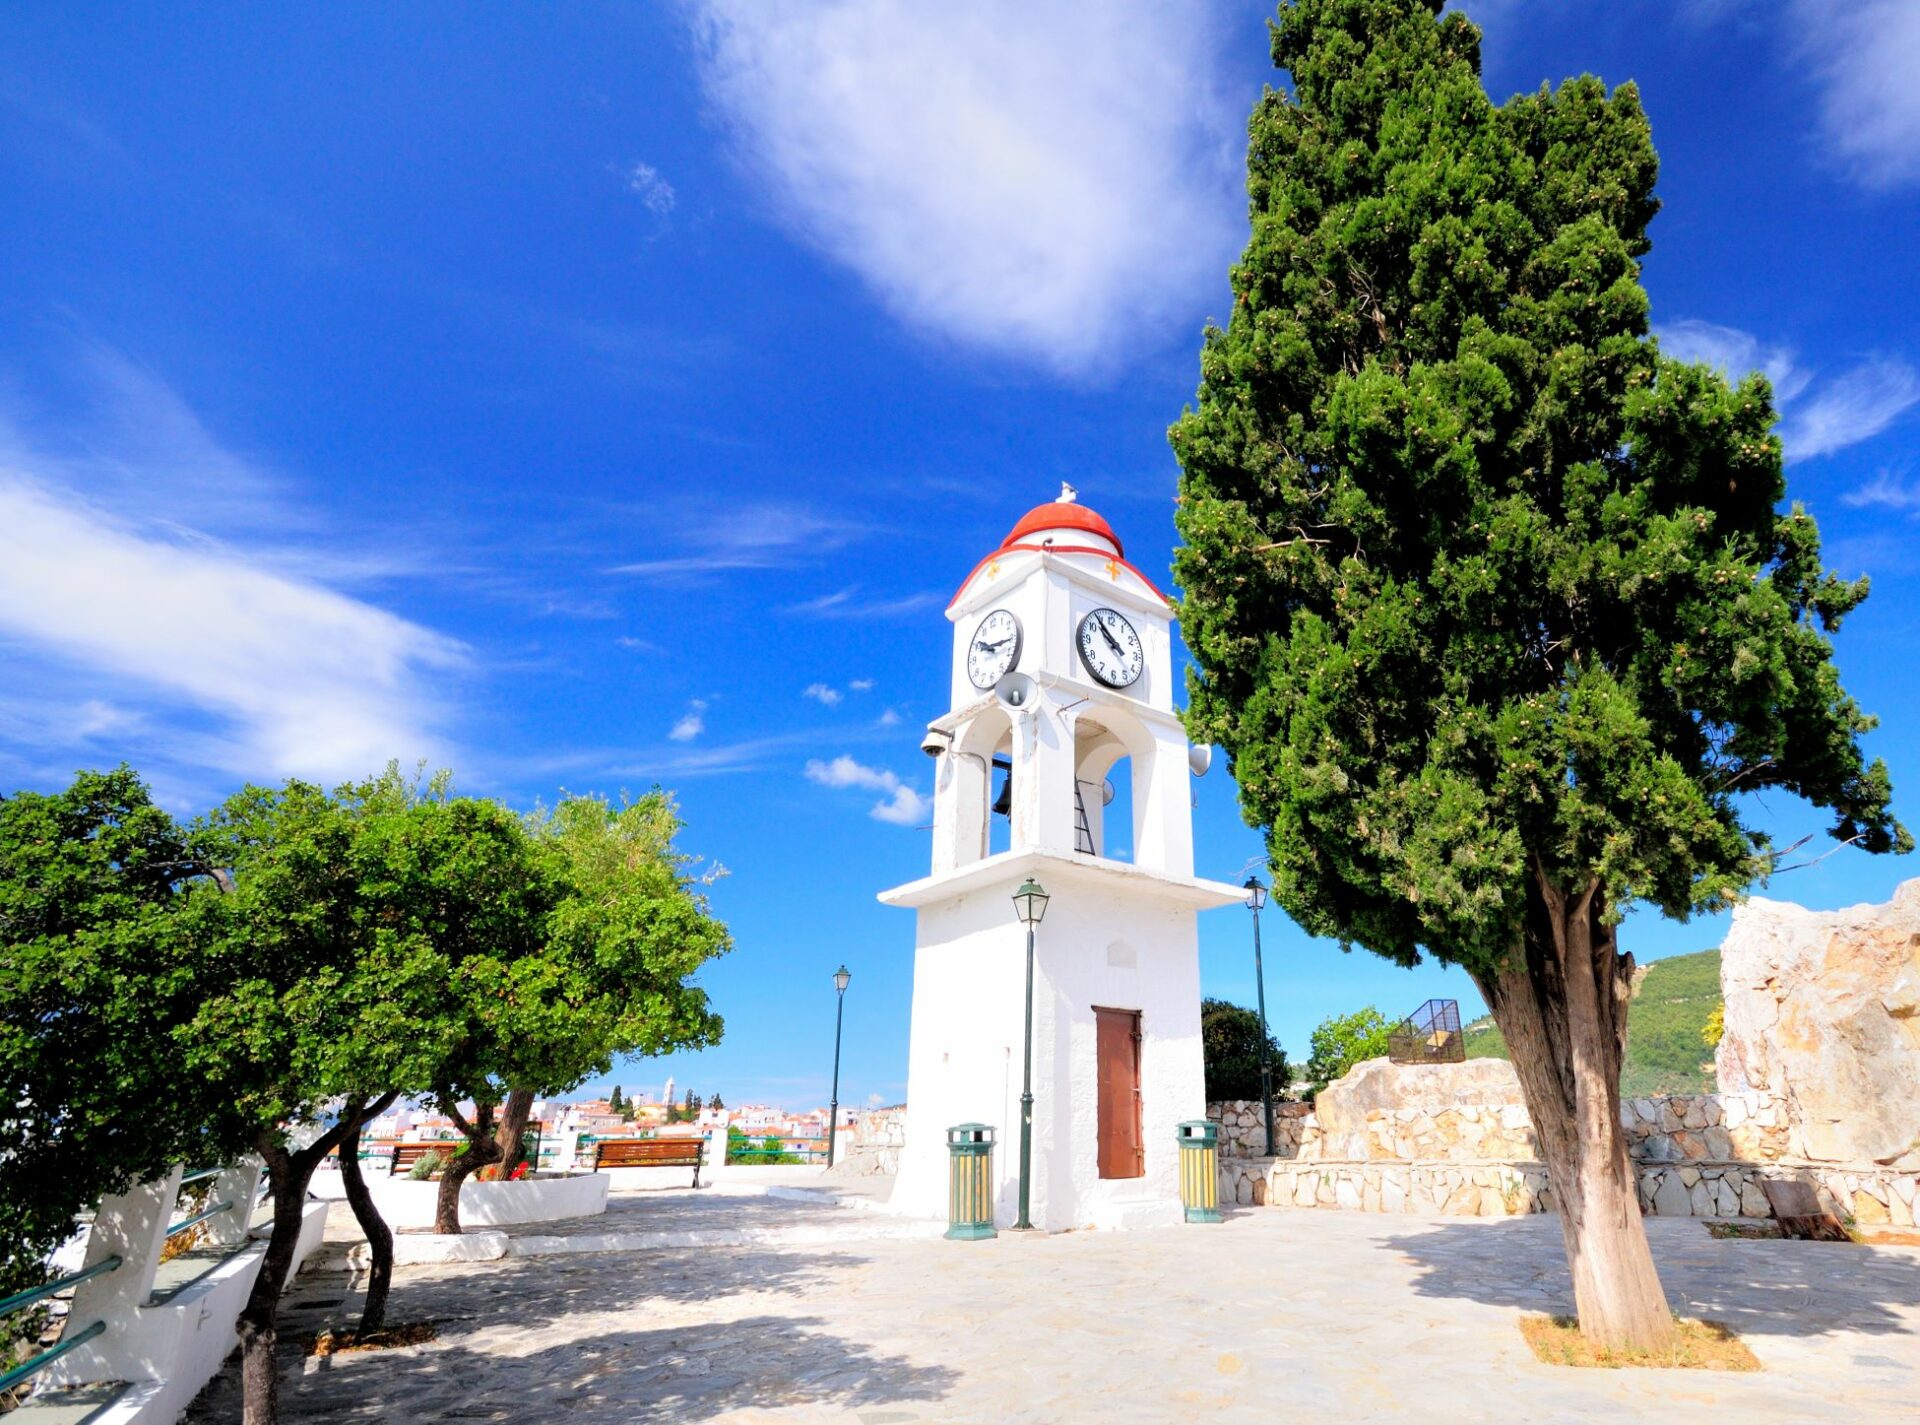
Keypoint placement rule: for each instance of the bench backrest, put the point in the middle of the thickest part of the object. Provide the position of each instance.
(407, 1154)
(668, 1152)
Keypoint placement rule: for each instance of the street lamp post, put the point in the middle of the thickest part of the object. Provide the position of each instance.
(1030, 903)
(841, 978)
(1257, 897)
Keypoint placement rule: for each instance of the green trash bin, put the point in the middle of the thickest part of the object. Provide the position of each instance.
(1199, 1169)
(970, 1182)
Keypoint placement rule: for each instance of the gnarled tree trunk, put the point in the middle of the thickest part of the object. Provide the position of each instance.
(513, 1126)
(481, 1150)
(373, 1315)
(289, 1171)
(1562, 1006)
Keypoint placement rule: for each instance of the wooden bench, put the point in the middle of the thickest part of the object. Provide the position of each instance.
(405, 1155)
(651, 1153)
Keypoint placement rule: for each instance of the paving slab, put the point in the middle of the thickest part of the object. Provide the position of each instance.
(1274, 1314)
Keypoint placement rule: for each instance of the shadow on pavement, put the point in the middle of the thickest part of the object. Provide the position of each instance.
(1757, 1288)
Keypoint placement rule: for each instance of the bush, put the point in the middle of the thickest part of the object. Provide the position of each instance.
(425, 1166)
(1343, 1041)
(1230, 1043)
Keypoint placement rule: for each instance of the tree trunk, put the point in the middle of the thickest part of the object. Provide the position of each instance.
(481, 1150)
(373, 1314)
(288, 1174)
(1561, 1004)
(513, 1125)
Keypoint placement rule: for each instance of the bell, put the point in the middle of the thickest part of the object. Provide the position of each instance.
(1003, 803)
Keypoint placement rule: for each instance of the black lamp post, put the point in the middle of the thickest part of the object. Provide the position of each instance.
(1030, 903)
(1257, 897)
(841, 978)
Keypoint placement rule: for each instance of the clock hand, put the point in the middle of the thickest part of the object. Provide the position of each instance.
(1107, 634)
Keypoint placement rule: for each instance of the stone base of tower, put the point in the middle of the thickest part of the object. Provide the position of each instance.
(1118, 948)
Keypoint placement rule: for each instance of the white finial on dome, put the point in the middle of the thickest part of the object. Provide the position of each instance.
(1067, 494)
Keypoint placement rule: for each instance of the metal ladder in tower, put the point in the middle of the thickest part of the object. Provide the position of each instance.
(1082, 829)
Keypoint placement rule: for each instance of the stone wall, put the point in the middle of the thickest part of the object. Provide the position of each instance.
(1819, 1073)
(872, 1146)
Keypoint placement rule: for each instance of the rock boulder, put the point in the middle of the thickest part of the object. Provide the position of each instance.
(1823, 1013)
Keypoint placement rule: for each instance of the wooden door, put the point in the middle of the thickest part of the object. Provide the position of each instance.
(1117, 1052)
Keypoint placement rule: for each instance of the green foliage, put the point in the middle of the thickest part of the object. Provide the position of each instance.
(1675, 1005)
(1715, 1029)
(615, 1103)
(714, 1104)
(100, 963)
(1483, 591)
(370, 941)
(1340, 1042)
(1230, 1043)
(426, 1165)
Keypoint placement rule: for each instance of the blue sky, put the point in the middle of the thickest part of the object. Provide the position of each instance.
(614, 395)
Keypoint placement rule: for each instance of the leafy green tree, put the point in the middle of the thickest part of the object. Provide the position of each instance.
(615, 1103)
(1230, 1048)
(714, 1104)
(1340, 1042)
(1494, 606)
(348, 918)
(97, 972)
(610, 974)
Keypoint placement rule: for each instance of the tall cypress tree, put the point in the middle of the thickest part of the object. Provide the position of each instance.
(1494, 607)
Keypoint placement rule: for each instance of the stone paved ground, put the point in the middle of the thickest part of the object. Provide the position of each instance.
(1276, 1315)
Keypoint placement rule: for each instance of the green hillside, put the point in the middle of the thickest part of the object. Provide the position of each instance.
(1665, 1053)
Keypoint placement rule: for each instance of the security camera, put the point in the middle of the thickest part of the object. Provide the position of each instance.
(933, 742)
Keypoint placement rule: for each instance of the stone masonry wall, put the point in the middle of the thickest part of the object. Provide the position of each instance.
(1696, 1155)
(1819, 1072)
(871, 1148)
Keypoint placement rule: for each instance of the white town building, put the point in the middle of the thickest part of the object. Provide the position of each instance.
(1099, 812)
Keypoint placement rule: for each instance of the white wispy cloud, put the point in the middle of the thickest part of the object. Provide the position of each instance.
(848, 603)
(740, 536)
(653, 190)
(1060, 184)
(1850, 408)
(1864, 54)
(1734, 353)
(1818, 415)
(296, 678)
(823, 694)
(861, 685)
(692, 722)
(1886, 491)
(900, 806)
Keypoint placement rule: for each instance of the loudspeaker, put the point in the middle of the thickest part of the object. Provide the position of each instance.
(1015, 691)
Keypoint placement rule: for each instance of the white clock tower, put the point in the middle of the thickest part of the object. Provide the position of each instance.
(1062, 697)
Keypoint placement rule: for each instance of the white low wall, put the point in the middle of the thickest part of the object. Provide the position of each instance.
(168, 1352)
(407, 1204)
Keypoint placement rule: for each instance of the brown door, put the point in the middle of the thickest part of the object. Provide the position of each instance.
(1122, 1154)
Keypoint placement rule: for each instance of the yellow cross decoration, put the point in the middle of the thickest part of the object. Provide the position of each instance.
(1113, 569)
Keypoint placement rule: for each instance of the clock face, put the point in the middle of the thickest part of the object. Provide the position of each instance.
(1110, 648)
(994, 649)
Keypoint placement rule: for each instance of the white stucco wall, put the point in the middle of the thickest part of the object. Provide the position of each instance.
(1104, 943)
(404, 1203)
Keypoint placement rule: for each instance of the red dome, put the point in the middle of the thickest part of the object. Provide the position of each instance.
(1057, 515)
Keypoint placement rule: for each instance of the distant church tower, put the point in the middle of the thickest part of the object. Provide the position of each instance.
(1091, 766)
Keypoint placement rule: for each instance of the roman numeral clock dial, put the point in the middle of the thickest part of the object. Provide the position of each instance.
(1110, 648)
(993, 649)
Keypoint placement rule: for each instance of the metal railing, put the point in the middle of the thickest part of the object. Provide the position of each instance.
(1430, 1035)
(194, 1221)
(801, 1155)
(36, 1363)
